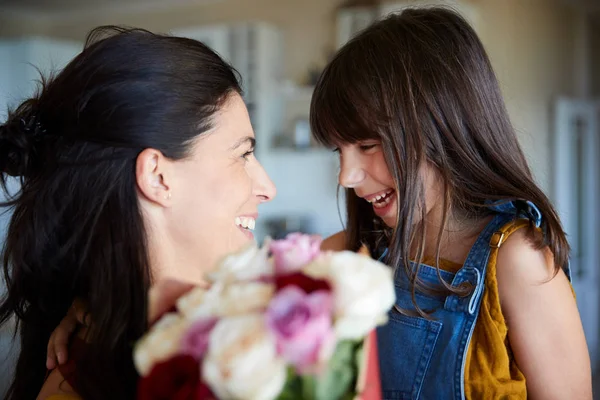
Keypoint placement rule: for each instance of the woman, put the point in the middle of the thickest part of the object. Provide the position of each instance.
(137, 166)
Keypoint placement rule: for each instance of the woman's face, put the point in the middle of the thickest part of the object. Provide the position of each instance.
(213, 196)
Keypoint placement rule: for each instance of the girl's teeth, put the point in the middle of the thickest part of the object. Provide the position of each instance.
(383, 203)
(379, 197)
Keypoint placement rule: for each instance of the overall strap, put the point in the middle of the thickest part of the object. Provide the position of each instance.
(527, 210)
(473, 270)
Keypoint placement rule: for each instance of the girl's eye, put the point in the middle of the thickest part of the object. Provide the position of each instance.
(366, 147)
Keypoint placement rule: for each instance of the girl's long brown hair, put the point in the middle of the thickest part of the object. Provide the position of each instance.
(421, 82)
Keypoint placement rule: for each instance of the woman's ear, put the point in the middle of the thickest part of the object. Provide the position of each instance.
(152, 173)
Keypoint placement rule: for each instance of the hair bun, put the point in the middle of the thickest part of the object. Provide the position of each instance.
(18, 138)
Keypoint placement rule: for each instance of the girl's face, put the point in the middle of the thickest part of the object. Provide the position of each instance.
(363, 168)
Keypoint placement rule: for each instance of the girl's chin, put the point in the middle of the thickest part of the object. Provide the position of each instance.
(390, 221)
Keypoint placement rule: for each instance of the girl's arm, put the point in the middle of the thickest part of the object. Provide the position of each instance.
(544, 326)
(336, 242)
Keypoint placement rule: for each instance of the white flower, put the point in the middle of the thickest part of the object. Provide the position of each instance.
(160, 343)
(250, 263)
(242, 361)
(363, 291)
(225, 300)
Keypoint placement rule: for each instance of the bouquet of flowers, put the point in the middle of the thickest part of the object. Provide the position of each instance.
(282, 321)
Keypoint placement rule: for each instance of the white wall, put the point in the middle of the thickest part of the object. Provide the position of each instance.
(307, 185)
(20, 60)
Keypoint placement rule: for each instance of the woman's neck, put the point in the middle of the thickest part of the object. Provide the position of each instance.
(168, 260)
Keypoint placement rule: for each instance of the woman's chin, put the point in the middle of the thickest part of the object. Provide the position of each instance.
(248, 234)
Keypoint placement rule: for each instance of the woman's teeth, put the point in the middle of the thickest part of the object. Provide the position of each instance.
(245, 222)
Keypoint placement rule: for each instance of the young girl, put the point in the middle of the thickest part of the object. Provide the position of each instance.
(438, 187)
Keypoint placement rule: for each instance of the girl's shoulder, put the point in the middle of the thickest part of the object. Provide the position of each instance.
(335, 242)
(519, 259)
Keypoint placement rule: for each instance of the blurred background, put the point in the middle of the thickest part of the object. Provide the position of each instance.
(546, 54)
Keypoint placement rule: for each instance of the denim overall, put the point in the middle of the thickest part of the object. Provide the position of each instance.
(425, 359)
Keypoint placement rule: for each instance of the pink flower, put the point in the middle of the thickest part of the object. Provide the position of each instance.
(195, 340)
(295, 251)
(302, 326)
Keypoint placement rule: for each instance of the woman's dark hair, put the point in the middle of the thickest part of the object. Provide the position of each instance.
(421, 83)
(77, 230)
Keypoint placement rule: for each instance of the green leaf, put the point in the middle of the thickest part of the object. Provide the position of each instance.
(309, 384)
(340, 377)
(292, 390)
(337, 382)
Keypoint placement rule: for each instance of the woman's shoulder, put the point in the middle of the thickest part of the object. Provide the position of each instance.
(335, 242)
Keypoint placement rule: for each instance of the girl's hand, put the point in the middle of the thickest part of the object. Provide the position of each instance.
(162, 298)
(59, 340)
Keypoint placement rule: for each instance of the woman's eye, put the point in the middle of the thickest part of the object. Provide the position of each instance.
(248, 154)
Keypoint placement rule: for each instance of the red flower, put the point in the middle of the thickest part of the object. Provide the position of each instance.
(302, 281)
(178, 378)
